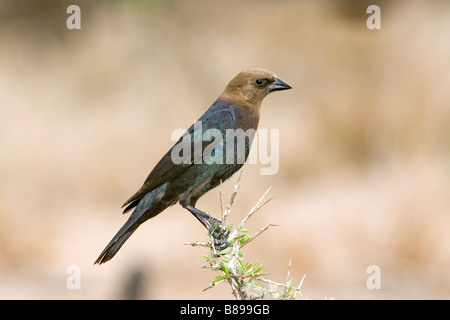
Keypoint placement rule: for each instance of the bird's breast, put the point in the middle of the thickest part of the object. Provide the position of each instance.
(244, 117)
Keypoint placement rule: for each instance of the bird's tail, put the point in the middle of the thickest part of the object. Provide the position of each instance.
(116, 243)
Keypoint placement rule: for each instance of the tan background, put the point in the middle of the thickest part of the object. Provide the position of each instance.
(364, 143)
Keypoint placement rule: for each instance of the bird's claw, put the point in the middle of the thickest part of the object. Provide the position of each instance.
(219, 235)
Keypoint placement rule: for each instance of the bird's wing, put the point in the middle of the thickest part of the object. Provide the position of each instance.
(166, 169)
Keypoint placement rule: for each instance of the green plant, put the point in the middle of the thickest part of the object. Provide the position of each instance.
(247, 279)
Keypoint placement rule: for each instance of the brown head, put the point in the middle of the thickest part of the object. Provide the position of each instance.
(249, 87)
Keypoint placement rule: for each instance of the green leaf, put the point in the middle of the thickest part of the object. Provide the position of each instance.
(289, 285)
(224, 268)
(217, 279)
(225, 251)
(241, 264)
(244, 239)
(207, 257)
(260, 269)
(242, 229)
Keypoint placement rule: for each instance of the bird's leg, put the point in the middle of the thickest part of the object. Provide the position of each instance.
(214, 227)
(203, 217)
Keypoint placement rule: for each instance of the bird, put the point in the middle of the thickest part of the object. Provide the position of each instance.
(184, 182)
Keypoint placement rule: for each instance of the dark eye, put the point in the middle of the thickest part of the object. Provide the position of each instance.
(260, 82)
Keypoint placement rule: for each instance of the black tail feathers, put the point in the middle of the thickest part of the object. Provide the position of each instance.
(116, 243)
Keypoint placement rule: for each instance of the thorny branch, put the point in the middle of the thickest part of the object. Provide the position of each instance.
(245, 279)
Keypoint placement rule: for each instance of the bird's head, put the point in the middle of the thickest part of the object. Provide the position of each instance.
(249, 87)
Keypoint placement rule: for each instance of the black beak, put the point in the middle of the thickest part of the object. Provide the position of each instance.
(278, 85)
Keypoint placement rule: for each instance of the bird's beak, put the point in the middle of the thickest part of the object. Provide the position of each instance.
(278, 85)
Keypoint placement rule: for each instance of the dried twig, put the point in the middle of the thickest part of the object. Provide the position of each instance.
(258, 206)
(227, 211)
(258, 234)
(198, 244)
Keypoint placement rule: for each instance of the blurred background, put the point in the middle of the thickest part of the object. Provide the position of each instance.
(364, 174)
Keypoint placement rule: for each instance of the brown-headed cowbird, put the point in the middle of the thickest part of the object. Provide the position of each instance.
(209, 152)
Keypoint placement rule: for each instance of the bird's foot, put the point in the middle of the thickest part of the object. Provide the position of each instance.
(219, 235)
(218, 232)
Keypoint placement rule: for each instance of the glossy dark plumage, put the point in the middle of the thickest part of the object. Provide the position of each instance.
(237, 107)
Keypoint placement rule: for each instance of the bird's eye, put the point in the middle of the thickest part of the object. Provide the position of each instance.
(260, 82)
